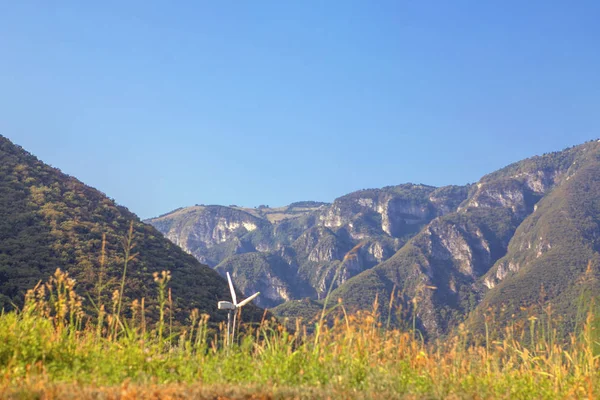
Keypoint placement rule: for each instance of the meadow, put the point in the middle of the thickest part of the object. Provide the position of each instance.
(51, 348)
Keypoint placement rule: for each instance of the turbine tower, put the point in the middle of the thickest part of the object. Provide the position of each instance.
(232, 308)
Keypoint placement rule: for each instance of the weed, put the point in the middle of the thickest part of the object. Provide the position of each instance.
(51, 345)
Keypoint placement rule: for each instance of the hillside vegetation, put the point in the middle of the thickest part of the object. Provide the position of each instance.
(490, 292)
(49, 220)
(526, 235)
(51, 349)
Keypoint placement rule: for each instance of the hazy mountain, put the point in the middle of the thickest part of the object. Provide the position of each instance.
(295, 251)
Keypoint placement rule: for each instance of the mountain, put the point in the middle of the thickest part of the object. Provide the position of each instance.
(520, 238)
(527, 231)
(554, 255)
(50, 220)
(296, 251)
(213, 233)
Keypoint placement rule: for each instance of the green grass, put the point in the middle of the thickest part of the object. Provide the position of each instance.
(50, 347)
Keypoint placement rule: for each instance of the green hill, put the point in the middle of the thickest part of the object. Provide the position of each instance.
(528, 230)
(50, 220)
(554, 256)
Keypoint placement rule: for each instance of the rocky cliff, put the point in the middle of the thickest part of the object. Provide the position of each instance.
(363, 228)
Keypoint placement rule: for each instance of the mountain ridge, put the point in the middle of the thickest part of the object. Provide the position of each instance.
(314, 241)
(412, 238)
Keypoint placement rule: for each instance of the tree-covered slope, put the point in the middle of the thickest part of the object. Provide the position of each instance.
(50, 220)
(554, 256)
(502, 232)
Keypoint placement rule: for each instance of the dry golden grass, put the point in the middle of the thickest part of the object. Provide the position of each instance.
(127, 391)
(52, 350)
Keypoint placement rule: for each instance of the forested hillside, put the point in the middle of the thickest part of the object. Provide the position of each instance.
(50, 220)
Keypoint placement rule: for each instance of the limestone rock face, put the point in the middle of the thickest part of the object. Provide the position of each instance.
(468, 248)
(207, 231)
(314, 240)
(393, 211)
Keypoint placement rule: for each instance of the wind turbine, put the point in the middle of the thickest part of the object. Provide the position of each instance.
(232, 308)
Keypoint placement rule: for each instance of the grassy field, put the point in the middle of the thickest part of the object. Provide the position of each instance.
(52, 349)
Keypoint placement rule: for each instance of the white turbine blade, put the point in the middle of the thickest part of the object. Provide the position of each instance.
(248, 300)
(232, 290)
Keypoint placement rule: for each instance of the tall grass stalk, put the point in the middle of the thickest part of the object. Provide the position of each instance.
(128, 246)
(101, 275)
(321, 321)
(162, 280)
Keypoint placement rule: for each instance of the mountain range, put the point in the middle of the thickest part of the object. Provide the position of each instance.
(519, 239)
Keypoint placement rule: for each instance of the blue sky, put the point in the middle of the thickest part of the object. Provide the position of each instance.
(167, 104)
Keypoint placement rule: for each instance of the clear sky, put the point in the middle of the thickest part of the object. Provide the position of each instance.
(168, 104)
